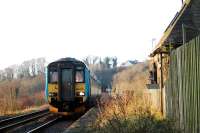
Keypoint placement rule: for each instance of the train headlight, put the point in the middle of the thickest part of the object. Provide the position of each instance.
(52, 94)
(82, 94)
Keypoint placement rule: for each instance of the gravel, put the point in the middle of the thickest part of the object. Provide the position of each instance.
(59, 126)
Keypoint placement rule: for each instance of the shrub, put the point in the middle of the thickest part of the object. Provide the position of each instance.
(130, 114)
(19, 94)
(132, 78)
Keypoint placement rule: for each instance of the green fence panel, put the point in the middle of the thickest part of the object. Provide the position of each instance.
(183, 87)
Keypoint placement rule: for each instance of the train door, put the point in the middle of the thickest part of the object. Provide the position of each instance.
(67, 91)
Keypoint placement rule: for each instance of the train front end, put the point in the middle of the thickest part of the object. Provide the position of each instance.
(67, 86)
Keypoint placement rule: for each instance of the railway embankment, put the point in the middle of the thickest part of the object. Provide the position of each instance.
(122, 114)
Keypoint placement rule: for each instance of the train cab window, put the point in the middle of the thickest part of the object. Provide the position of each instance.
(53, 77)
(79, 76)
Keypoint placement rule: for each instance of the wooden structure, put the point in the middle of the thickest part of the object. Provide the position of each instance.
(183, 86)
(175, 68)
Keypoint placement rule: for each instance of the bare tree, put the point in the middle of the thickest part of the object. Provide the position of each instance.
(107, 62)
(2, 75)
(15, 70)
(26, 68)
(9, 73)
(91, 60)
(86, 60)
(33, 67)
(20, 73)
(95, 59)
(114, 60)
(40, 64)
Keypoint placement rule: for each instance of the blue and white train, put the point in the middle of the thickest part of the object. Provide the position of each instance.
(70, 87)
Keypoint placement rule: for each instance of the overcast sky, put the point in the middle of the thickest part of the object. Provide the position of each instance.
(77, 28)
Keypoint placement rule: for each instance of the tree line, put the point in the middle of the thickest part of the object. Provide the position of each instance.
(34, 67)
(103, 68)
(22, 86)
(98, 63)
(27, 69)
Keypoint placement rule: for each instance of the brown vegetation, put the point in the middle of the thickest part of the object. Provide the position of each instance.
(22, 86)
(133, 78)
(20, 94)
(129, 113)
(129, 109)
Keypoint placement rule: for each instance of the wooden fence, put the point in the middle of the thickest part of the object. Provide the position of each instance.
(183, 87)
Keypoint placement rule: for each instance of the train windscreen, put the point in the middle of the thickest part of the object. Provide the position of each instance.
(79, 76)
(53, 76)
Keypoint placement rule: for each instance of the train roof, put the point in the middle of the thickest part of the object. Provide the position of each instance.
(69, 59)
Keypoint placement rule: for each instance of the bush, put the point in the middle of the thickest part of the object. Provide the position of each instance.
(20, 94)
(130, 114)
(132, 78)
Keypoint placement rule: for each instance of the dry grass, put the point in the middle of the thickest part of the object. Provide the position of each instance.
(25, 110)
(129, 109)
(130, 113)
(18, 95)
(21, 106)
(132, 78)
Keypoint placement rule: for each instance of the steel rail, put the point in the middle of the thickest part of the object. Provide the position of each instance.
(16, 121)
(8, 120)
(47, 124)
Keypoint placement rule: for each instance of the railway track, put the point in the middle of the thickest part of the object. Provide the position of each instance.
(40, 121)
(13, 122)
(45, 125)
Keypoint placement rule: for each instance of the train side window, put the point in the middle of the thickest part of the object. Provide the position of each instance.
(53, 77)
(79, 77)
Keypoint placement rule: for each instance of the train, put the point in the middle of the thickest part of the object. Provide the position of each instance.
(70, 86)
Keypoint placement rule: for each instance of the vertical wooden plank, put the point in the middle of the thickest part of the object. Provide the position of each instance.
(172, 83)
(179, 87)
(182, 91)
(193, 85)
(198, 84)
(183, 87)
(187, 91)
(179, 81)
(185, 62)
(192, 44)
(175, 89)
(171, 87)
(174, 78)
(192, 89)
